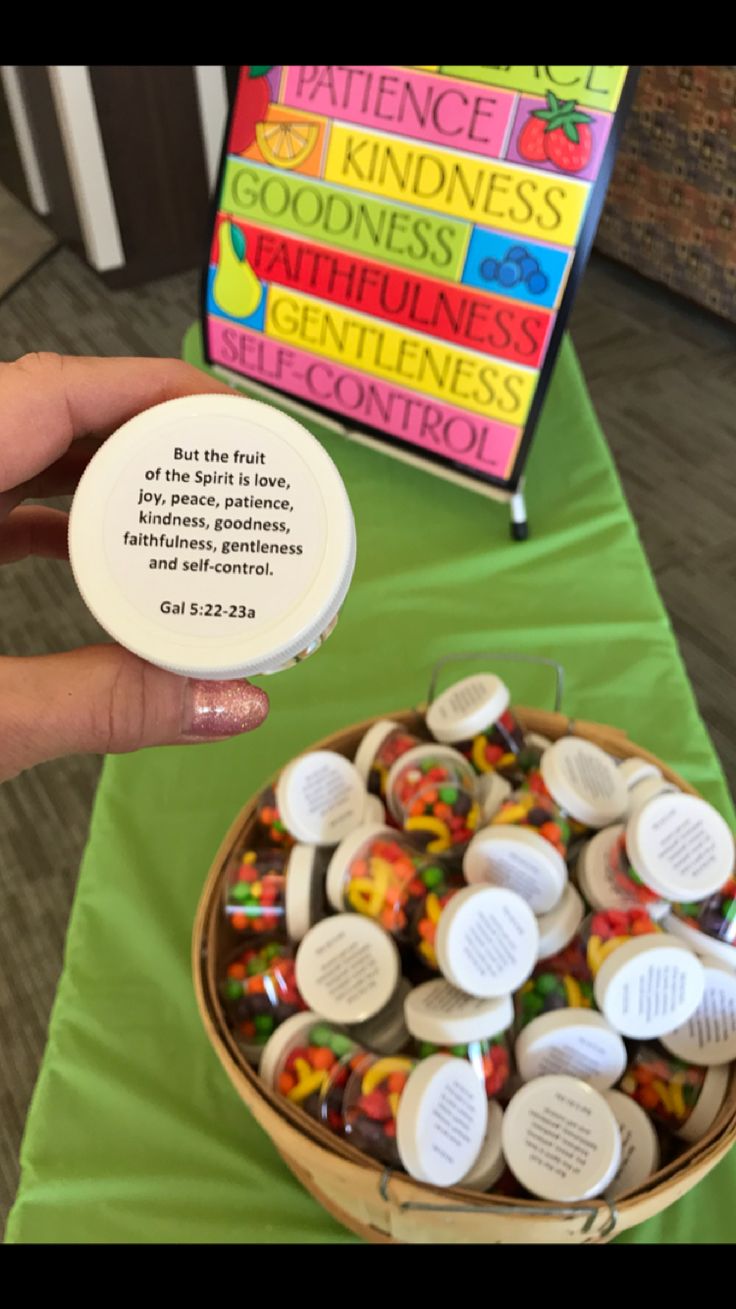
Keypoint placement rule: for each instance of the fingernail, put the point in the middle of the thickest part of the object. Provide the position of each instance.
(214, 710)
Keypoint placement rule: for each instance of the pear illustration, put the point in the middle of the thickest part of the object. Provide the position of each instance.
(236, 288)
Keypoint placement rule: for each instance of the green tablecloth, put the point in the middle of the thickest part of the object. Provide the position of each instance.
(135, 1134)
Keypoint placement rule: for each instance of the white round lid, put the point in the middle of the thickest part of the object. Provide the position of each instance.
(290, 1034)
(320, 797)
(299, 897)
(467, 707)
(561, 1139)
(371, 744)
(596, 878)
(490, 1162)
(709, 1034)
(491, 790)
(645, 791)
(680, 846)
(374, 810)
(347, 968)
(537, 741)
(437, 1012)
(177, 554)
(387, 1032)
(649, 985)
(640, 1152)
(711, 1097)
(584, 781)
(709, 947)
(487, 940)
(633, 771)
(344, 855)
(519, 859)
(558, 927)
(578, 1042)
(441, 1122)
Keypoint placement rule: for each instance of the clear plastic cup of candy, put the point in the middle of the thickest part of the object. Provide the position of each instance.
(396, 1110)
(473, 715)
(482, 939)
(442, 1020)
(383, 743)
(675, 847)
(379, 872)
(598, 875)
(682, 1097)
(431, 793)
(270, 826)
(309, 1062)
(276, 892)
(259, 993)
(709, 926)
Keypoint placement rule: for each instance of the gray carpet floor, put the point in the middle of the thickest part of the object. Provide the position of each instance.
(662, 378)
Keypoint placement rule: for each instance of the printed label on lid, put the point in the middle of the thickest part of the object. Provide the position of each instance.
(561, 1139)
(347, 968)
(680, 846)
(487, 941)
(520, 860)
(649, 985)
(576, 1042)
(437, 1012)
(468, 707)
(584, 781)
(709, 1034)
(321, 797)
(441, 1121)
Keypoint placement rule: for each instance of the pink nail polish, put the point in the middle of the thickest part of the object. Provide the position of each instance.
(213, 710)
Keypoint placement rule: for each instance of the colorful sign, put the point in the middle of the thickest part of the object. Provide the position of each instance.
(398, 245)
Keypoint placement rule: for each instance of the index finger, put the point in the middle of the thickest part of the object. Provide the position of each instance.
(48, 400)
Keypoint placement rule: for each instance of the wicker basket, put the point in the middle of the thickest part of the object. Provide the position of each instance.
(381, 1206)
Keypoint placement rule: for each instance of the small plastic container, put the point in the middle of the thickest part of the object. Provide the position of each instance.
(309, 1062)
(259, 992)
(490, 1164)
(443, 1020)
(431, 792)
(387, 1033)
(576, 1042)
(474, 716)
(482, 939)
(561, 1139)
(558, 927)
(709, 926)
(348, 970)
(645, 981)
(709, 1035)
(212, 535)
(270, 825)
(596, 873)
(277, 891)
(640, 1150)
(518, 858)
(676, 847)
(378, 872)
(682, 1097)
(320, 797)
(383, 743)
(428, 1118)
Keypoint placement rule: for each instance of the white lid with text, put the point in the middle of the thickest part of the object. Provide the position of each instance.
(441, 1120)
(597, 881)
(437, 1012)
(467, 708)
(708, 1036)
(558, 927)
(680, 846)
(487, 940)
(519, 859)
(577, 1042)
(347, 968)
(649, 985)
(561, 1139)
(584, 781)
(320, 797)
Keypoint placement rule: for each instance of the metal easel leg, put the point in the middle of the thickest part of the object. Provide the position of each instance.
(519, 524)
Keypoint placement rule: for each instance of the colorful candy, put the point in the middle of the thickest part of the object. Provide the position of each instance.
(547, 990)
(315, 1075)
(380, 873)
(473, 715)
(490, 1059)
(255, 891)
(533, 806)
(259, 992)
(431, 792)
(715, 917)
(382, 745)
(269, 822)
(680, 1096)
(371, 1104)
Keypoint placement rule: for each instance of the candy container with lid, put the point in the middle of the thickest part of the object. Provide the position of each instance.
(383, 743)
(490, 1164)
(443, 1020)
(378, 872)
(561, 1139)
(578, 1042)
(474, 716)
(518, 858)
(640, 1151)
(276, 891)
(386, 1033)
(269, 823)
(431, 792)
(681, 1096)
(599, 881)
(558, 927)
(320, 797)
(398, 1111)
(309, 1062)
(709, 926)
(348, 970)
(646, 981)
(709, 1034)
(259, 992)
(674, 847)
(483, 939)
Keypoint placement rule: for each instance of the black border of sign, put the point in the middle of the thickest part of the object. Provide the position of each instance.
(584, 245)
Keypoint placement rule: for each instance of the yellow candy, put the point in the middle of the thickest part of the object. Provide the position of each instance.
(432, 907)
(678, 1100)
(426, 950)
(506, 760)
(430, 824)
(307, 1085)
(393, 1100)
(599, 950)
(573, 992)
(513, 813)
(479, 755)
(664, 1094)
(384, 1068)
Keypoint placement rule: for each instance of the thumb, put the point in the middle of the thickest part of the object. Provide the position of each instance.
(103, 699)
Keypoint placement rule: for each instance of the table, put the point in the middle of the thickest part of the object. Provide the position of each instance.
(135, 1133)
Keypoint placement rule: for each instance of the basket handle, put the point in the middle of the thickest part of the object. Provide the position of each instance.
(509, 656)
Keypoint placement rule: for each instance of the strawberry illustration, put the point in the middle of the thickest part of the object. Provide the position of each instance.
(560, 133)
(251, 104)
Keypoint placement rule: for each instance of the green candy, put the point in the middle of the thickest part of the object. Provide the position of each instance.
(264, 1024)
(256, 966)
(340, 1045)
(432, 876)
(269, 952)
(240, 893)
(233, 989)
(546, 983)
(448, 794)
(459, 1051)
(532, 1004)
(426, 1049)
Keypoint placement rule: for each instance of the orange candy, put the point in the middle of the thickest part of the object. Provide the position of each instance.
(396, 1083)
(286, 1083)
(236, 971)
(321, 1056)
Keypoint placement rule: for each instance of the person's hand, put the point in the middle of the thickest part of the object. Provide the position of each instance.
(54, 413)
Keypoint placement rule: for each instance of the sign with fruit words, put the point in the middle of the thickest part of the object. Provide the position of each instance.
(399, 246)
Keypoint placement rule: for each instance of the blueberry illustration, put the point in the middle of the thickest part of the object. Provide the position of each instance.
(528, 266)
(538, 283)
(489, 269)
(509, 274)
(516, 253)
